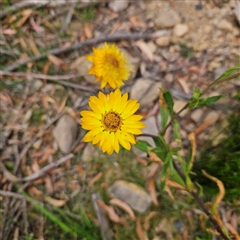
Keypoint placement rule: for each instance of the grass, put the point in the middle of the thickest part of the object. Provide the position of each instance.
(222, 161)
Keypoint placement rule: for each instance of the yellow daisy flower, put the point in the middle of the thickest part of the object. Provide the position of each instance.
(111, 121)
(109, 65)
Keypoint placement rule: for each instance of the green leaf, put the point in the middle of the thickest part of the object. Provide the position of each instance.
(176, 178)
(168, 99)
(200, 102)
(142, 145)
(161, 153)
(176, 131)
(164, 144)
(231, 73)
(237, 96)
(164, 113)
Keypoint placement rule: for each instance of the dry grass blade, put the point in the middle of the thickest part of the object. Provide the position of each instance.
(152, 191)
(55, 202)
(110, 211)
(124, 206)
(221, 190)
(95, 179)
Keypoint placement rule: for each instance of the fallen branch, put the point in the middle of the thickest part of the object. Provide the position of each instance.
(89, 42)
(22, 4)
(11, 194)
(47, 168)
(28, 3)
(56, 78)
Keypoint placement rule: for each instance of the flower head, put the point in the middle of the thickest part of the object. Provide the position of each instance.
(109, 65)
(111, 121)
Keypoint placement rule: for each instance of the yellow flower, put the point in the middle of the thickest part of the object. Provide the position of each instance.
(110, 66)
(111, 121)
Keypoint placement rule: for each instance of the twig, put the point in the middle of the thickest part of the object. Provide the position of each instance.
(47, 168)
(89, 42)
(39, 76)
(37, 3)
(11, 194)
(22, 4)
(68, 17)
(25, 149)
(56, 78)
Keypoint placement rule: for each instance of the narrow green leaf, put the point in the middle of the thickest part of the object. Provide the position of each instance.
(161, 153)
(176, 131)
(161, 138)
(164, 113)
(142, 145)
(169, 101)
(231, 73)
(194, 103)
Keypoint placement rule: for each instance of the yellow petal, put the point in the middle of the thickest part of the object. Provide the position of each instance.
(122, 140)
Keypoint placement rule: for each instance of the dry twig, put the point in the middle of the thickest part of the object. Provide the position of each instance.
(56, 78)
(89, 42)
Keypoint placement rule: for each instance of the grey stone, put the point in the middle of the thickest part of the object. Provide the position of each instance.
(134, 195)
(167, 19)
(145, 91)
(151, 128)
(90, 152)
(180, 29)
(225, 25)
(134, 62)
(163, 41)
(212, 116)
(117, 5)
(65, 133)
(178, 105)
(237, 11)
(197, 115)
(82, 65)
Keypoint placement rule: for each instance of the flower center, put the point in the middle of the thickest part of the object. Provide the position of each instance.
(112, 121)
(112, 60)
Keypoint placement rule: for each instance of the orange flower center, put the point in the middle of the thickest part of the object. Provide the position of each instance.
(112, 60)
(112, 121)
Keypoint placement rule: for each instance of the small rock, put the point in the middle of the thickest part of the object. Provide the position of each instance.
(236, 82)
(169, 77)
(82, 65)
(134, 195)
(37, 84)
(180, 29)
(37, 144)
(117, 5)
(152, 46)
(167, 19)
(134, 62)
(212, 116)
(218, 72)
(27, 116)
(89, 153)
(237, 11)
(225, 25)
(197, 115)
(178, 105)
(65, 133)
(163, 41)
(151, 128)
(145, 91)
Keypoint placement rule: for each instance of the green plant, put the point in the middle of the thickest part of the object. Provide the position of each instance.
(178, 169)
(88, 13)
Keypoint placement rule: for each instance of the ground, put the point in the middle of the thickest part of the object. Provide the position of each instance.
(55, 186)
